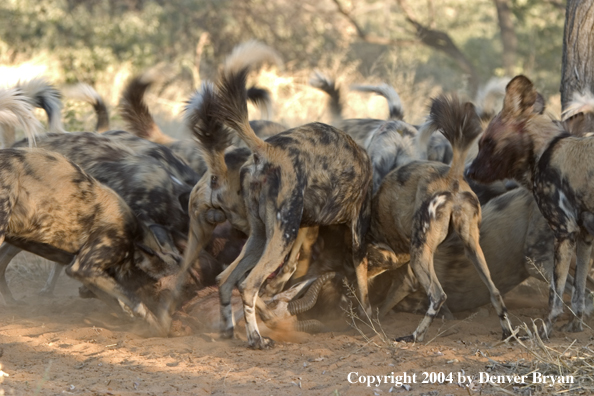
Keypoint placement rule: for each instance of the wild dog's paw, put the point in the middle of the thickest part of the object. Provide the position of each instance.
(261, 343)
(575, 325)
(408, 338)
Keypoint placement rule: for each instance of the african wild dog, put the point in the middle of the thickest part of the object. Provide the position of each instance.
(47, 201)
(418, 205)
(307, 176)
(217, 197)
(523, 143)
(360, 129)
(86, 93)
(150, 184)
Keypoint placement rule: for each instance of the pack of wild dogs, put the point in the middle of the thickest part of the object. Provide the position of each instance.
(467, 205)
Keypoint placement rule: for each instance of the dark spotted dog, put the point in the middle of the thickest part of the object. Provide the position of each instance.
(418, 205)
(522, 143)
(150, 184)
(50, 203)
(307, 176)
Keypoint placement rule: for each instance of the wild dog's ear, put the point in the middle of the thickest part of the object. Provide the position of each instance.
(520, 96)
(539, 104)
(162, 237)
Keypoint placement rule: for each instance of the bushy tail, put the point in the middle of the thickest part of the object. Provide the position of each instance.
(86, 93)
(16, 111)
(251, 55)
(489, 99)
(212, 136)
(232, 94)
(260, 97)
(44, 96)
(460, 124)
(327, 85)
(388, 92)
(580, 103)
(135, 112)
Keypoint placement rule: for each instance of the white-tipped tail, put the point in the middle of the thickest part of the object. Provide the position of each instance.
(251, 55)
(16, 111)
(580, 103)
(394, 103)
(489, 99)
(44, 96)
(86, 93)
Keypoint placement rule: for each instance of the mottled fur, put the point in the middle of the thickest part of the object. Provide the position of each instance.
(418, 205)
(46, 199)
(310, 175)
(522, 143)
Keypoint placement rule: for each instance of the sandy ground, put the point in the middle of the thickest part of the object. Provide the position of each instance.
(67, 345)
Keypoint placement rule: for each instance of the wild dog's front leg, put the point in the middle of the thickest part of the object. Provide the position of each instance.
(359, 228)
(564, 248)
(89, 268)
(52, 279)
(276, 284)
(248, 258)
(7, 253)
(584, 250)
(399, 290)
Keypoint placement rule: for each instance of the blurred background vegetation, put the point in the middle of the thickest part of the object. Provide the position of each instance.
(420, 46)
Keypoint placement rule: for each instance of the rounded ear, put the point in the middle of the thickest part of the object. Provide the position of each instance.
(520, 95)
(162, 237)
(539, 104)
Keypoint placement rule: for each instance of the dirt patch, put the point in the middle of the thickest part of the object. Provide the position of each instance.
(67, 345)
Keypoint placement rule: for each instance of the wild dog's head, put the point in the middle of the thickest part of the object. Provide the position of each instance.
(508, 145)
(156, 252)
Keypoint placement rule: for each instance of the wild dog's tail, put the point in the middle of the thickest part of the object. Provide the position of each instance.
(16, 110)
(44, 96)
(86, 93)
(231, 109)
(261, 98)
(388, 92)
(212, 136)
(489, 99)
(232, 94)
(136, 114)
(327, 85)
(459, 123)
(580, 103)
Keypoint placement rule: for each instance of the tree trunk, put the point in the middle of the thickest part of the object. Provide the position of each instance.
(508, 36)
(577, 74)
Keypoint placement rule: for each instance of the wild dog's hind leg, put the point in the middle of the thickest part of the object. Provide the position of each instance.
(466, 224)
(430, 228)
(277, 247)
(399, 290)
(584, 249)
(7, 253)
(52, 279)
(228, 279)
